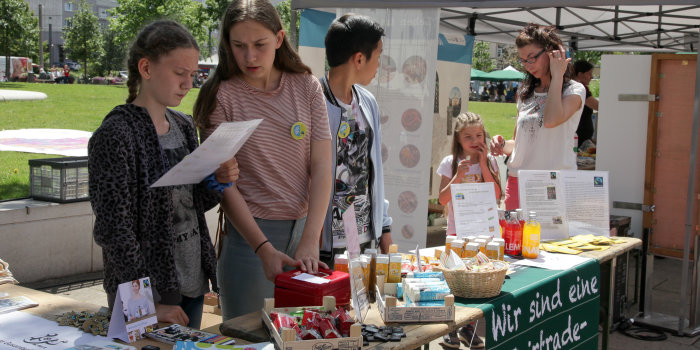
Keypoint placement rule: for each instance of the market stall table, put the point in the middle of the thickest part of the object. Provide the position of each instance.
(51, 306)
(249, 327)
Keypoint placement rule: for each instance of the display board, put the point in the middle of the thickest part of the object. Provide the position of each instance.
(623, 157)
(669, 160)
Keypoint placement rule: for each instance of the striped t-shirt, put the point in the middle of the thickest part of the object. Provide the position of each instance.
(274, 167)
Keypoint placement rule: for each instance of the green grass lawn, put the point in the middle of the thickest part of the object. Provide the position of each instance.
(82, 107)
(69, 106)
(499, 118)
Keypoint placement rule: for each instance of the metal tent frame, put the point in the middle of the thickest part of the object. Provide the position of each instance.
(594, 25)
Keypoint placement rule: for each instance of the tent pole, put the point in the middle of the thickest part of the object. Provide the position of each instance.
(689, 209)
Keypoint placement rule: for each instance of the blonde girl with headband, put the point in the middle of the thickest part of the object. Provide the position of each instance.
(469, 162)
(275, 213)
(549, 108)
(157, 232)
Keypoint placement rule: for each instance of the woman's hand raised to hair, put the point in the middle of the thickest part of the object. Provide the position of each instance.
(227, 171)
(496, 144)
(558, 63)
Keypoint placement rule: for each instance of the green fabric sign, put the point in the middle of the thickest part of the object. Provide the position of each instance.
(542, 309)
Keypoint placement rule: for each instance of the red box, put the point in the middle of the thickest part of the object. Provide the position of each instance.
(294, 292)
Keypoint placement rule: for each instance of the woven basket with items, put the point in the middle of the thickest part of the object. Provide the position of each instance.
(482, 277)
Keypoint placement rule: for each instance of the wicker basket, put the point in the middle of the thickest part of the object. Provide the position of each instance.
(476, 284)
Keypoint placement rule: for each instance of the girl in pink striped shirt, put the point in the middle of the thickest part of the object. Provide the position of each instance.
(275, 211)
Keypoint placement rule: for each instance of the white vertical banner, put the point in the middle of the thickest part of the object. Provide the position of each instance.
(453, 74)
(405, 88)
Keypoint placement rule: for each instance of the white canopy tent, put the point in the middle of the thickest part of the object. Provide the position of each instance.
(619, 25)
(593, 25)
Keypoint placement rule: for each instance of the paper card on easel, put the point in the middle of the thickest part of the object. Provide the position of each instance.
(351, 234)
(134, 312)
(358, 296)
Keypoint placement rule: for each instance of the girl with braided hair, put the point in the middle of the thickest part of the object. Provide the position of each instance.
(159, 232)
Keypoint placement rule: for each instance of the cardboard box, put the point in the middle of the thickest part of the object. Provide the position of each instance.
(390, 312)
(286, 339)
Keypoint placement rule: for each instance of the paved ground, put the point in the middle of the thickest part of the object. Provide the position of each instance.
(666, 299)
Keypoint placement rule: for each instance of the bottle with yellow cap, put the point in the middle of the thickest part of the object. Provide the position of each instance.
(531, 237)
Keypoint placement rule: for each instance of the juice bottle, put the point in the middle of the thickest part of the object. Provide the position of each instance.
(521, 217)
(531, 237)
(501, 247)
(514, 234)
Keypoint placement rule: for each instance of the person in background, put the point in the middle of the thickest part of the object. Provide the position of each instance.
(501, 89)
(583, 73)
(156, 232)
(353, 50)
(492, 91)
(275, 213)
(549, 106)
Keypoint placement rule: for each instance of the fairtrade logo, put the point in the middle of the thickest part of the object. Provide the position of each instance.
(48, 339)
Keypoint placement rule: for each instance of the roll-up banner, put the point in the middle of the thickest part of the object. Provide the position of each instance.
(451, 96)
(404, 88)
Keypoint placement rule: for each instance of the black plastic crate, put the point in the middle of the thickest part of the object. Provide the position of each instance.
(59, 180)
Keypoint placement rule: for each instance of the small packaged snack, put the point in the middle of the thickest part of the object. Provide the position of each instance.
(310, 334)
(328, 330)
(280, 320)
(343, 321)
(311, 320)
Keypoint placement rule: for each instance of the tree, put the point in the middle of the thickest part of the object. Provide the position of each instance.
(481, 59)
(131, 15)
(593, 57)
(509, 57)
(83, 38)
(115, 54)
(20, 31)
(284, 9)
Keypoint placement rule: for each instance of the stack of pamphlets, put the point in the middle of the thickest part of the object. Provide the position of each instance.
(16, 303)
(175, 332)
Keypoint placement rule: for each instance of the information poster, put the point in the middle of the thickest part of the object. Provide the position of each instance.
(405, 88)
(567, 202)
(475, 209)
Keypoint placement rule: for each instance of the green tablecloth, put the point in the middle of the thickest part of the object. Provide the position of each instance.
(542, 309)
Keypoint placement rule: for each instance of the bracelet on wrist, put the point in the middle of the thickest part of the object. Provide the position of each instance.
(260, 245)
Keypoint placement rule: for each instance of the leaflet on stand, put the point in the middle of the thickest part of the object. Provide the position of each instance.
(475, 209)
(567, 202)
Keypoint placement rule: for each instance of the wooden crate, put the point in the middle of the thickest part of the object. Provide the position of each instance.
(287, 339)
(390, 312)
